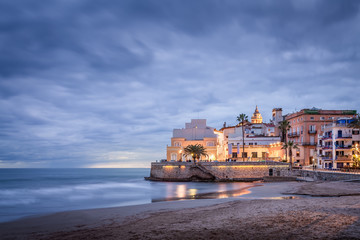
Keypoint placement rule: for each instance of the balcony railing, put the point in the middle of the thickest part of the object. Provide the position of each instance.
(343, 146)
(338, 158)
(326, 147)
(343, 158)
(293, 134)
(344, 136)
(312, 131)
(325, 137)
(308, 144)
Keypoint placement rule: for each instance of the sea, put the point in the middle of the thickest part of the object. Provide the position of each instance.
(27, 192)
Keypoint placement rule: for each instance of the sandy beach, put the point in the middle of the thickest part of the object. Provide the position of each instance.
(308, 210)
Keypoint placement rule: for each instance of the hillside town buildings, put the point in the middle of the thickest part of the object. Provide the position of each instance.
(323, 138)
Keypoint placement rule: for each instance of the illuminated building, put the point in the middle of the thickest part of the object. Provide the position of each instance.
(261, 140)
(195, 132)
(306, 127)
(336, 143)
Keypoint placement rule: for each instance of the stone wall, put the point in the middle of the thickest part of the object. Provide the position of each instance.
(218, 171)
(327, 175)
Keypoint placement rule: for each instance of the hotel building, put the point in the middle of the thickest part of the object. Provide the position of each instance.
(306, 127)
(336, 143)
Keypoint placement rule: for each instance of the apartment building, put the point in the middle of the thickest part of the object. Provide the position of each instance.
(335, 147)
(306, 127)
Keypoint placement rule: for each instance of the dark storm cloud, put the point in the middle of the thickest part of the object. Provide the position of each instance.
(88, 83)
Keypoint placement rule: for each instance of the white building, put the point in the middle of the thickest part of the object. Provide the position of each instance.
(336, 143)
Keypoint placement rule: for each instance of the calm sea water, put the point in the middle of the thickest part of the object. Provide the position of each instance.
(25, 192)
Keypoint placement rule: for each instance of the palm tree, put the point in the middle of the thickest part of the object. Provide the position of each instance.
(290, 145)
(242, 119)
(196, 151)
(284, 128)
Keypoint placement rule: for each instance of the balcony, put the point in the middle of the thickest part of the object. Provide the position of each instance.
(343, 158)
(324, 147)
(343, 146)
(294, 134)
(308, 144)
(326, 137)
(312, 131)
(346, 136)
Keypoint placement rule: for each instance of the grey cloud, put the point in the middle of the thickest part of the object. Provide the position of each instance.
(83, 80)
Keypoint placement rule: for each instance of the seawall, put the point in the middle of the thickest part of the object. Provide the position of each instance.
(219, 171)
(320, 175)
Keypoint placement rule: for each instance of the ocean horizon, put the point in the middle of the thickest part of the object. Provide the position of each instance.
(37, 191)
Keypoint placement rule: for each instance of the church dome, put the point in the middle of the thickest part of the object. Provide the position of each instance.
(256, 117)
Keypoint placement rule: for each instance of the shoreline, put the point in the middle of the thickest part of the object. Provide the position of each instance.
(142, 220)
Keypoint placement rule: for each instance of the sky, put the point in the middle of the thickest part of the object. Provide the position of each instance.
(104, 83)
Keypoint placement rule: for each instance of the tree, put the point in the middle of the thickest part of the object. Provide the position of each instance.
(290, 145)
(195, 151)
(284, 128)
(242, 119)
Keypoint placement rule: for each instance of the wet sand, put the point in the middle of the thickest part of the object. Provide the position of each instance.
(264, 213)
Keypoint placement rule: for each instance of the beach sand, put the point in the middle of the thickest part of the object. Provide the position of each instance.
(262, 214)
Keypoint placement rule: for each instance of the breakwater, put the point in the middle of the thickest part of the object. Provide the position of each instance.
(219, 171)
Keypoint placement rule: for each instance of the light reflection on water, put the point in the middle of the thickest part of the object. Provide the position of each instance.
(191, 190)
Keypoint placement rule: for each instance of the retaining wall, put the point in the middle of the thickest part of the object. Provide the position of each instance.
(327, 175)
(218, 171)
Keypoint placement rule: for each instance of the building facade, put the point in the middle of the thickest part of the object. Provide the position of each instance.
(306, 127)
(322, 136)
(335, 146)
(261, 141)
(195, 132)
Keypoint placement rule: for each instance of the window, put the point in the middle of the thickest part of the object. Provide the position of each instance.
(322, 118)
(177, 144)
(297, 152)
(234, 155)
(339, 153)
(251, 143)
(254, 154)
(256, 143)
(312, 118)
(302, 129)
(173, 156)
(210, 143)
(355, 132)
(330, 117)
(244, 154)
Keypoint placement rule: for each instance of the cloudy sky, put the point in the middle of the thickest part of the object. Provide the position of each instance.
(103, 83)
